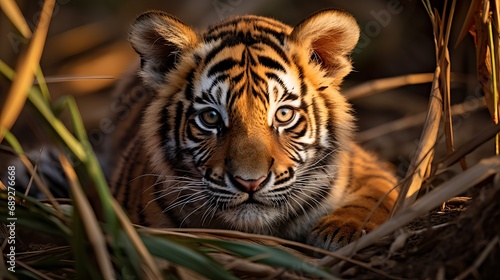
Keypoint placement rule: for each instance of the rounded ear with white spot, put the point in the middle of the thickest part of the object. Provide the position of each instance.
(159, 39)
(330, 35)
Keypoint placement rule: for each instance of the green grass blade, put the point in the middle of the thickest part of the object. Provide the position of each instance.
(93, 167)
(36, 98)
(270, 256)
(35, 215)
(85, 265)
(90, 223)
(12, 140)
(130, 257)
(186, 257)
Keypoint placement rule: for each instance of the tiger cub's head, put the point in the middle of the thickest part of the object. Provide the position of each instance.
(247, 115)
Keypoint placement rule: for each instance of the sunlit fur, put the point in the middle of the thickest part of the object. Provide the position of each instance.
(300, 176)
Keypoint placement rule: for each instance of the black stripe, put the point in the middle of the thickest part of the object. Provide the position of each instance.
(191, 136)
(270, 63)
(299, 122)
(165, 125)
(122, 183)
(278, 49)
(289, 96)
(330, 124)
(222, 66)
(356, 207)
(280, 36)
(228, 42)
(235, 79)
(376, 200)
(256, 77)
(291, 174)
(302, 132)
(275, 77)
(188, 94)
(140, 203)
(245, 37)
(349, 169)
(235, 96)
(335, 233)
(316, 114)
(221, 78)
(204, 158)
(179, 114)
(129, 175)
(381, 177)
(255, 21)
(303, 86)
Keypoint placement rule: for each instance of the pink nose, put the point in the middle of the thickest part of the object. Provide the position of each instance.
(250, 185)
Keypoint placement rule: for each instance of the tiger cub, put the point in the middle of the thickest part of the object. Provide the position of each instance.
(243, 128)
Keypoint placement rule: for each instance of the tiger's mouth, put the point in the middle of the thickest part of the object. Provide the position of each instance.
(228, 193)
(247, 208)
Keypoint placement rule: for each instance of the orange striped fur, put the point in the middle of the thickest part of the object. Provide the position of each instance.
(243, 128)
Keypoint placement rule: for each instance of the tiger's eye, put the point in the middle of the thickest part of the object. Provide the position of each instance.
(284, 115)
(210, 118)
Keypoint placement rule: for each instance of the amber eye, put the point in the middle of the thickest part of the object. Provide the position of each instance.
(210, 118)
(284, 115)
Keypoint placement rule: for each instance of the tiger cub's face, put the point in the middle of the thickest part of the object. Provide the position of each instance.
(247, 121)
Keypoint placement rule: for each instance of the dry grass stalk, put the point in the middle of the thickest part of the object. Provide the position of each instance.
(89, 220)
(445, 79)
(482, 21)
(32, 270)
(246, 267)
(41, 185)
(421, 161)
(65, 79)
(453, 187)
(25, 72)
(415, 120)
(12, 11)
(149, 267)
(384, 84)
(420, 166)
(468, 147)
(219, 234)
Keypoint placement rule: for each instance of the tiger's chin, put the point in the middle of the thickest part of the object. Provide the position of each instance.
(251, 218)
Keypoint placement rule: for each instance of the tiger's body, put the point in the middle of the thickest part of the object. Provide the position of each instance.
(244, 128)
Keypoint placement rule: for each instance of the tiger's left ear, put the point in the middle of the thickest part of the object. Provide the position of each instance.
(160, 39)
(331, 35)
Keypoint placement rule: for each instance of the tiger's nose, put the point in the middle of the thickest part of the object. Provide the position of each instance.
(250, 186)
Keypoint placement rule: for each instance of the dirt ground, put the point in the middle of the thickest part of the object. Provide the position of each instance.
(458, 241)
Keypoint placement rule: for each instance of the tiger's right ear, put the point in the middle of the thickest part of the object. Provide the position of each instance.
(331, 35)
(159, 39)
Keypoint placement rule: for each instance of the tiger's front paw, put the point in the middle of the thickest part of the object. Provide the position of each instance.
(333, 232)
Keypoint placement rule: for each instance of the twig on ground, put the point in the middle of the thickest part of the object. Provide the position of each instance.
(415, 120)
(453, 187)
